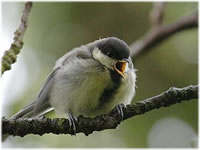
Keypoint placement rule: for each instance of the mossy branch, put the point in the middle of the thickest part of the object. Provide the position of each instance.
(10, 55)
(43, 125)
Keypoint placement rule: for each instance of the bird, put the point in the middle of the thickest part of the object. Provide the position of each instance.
(88, 80)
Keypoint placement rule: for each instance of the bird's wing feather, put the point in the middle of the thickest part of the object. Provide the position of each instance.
(24, 111)
(42, 99)
(42, 102)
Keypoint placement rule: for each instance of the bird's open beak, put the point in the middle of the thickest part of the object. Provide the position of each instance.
(120, 67)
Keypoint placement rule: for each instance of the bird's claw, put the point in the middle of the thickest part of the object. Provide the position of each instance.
(72, 123)
(120, 111)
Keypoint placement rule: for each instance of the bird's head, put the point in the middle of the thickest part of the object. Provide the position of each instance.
(113, 53)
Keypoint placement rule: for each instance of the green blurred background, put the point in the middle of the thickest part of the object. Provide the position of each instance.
(57, 27)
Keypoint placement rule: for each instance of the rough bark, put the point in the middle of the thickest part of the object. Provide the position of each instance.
(43, 125)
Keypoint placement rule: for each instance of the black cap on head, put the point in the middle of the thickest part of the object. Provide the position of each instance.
(114, 48)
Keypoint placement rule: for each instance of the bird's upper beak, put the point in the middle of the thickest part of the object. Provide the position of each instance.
(120, 67)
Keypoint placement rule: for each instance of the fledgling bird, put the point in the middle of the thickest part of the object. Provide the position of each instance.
(89, 80)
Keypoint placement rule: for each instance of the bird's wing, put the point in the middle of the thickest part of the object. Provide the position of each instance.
(42, 102)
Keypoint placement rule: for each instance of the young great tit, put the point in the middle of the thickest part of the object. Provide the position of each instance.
(89, 80)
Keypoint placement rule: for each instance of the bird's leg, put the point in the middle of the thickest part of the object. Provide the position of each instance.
(72, 121)
(120, 110)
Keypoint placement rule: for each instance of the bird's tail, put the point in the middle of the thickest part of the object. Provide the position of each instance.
(29, 112)
(26, 112)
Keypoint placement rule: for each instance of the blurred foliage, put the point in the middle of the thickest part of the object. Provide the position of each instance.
(57, 27)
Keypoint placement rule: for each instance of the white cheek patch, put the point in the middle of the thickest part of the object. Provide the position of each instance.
(126, 69)
(102, 58)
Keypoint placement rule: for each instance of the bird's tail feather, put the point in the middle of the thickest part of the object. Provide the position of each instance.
(29, 112)
(26, 112)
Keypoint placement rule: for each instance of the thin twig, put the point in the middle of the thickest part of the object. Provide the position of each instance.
(40, 126)
(10, 55)
(158, 34)
(157, 13)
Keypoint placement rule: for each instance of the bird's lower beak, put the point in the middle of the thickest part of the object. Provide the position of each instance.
(120, 67)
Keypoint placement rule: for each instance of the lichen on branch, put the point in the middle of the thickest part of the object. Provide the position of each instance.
(10, 55)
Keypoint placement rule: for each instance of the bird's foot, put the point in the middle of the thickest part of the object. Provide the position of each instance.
(120, 110)
(72, 123)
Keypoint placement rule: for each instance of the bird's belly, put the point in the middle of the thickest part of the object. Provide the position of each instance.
(80, 96)
(86, 98)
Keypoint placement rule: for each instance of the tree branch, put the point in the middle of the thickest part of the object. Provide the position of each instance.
(158, 33)
(157, 13)
(40, 126)
(10, 55)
